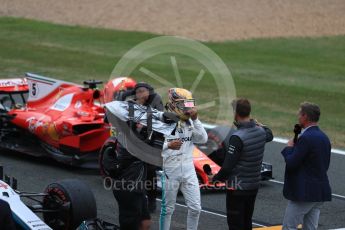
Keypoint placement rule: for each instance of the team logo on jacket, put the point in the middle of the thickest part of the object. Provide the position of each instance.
(183, 139)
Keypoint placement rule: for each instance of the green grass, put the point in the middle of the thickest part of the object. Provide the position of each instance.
(275, 74)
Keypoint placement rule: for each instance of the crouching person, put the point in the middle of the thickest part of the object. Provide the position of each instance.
(178, 167)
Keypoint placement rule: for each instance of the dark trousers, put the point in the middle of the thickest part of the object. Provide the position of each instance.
(240, 208)
(132, 209)
(151, 190)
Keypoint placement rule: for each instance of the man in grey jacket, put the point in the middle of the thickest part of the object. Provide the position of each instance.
(242, 166)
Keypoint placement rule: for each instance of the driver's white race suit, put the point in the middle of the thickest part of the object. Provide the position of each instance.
(179, 173)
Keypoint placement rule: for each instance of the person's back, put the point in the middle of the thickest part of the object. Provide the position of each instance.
(248, 168)
(242, 166)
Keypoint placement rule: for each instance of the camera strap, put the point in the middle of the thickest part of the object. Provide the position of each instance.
(149, 123)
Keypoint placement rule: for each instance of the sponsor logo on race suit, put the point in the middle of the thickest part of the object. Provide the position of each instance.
(182, 139)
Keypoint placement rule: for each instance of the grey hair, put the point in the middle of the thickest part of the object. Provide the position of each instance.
(311, 110)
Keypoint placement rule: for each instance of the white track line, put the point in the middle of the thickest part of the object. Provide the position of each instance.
(277, 181)
(281, 182)
(284, 141)
(212, 213)
(339, 196)
(280, 140)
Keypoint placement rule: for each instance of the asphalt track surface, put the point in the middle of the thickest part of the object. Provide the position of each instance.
(34, 174)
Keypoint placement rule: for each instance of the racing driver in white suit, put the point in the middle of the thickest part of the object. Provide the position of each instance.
(178, 168)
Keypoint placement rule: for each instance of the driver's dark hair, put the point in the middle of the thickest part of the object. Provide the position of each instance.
(241, 107)
(311, 110)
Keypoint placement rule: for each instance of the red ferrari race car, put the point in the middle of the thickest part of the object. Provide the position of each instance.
(47, 117)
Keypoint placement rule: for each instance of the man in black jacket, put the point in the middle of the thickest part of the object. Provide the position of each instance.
(241, 169)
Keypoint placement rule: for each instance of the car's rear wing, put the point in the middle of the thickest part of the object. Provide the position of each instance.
(13, 85)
